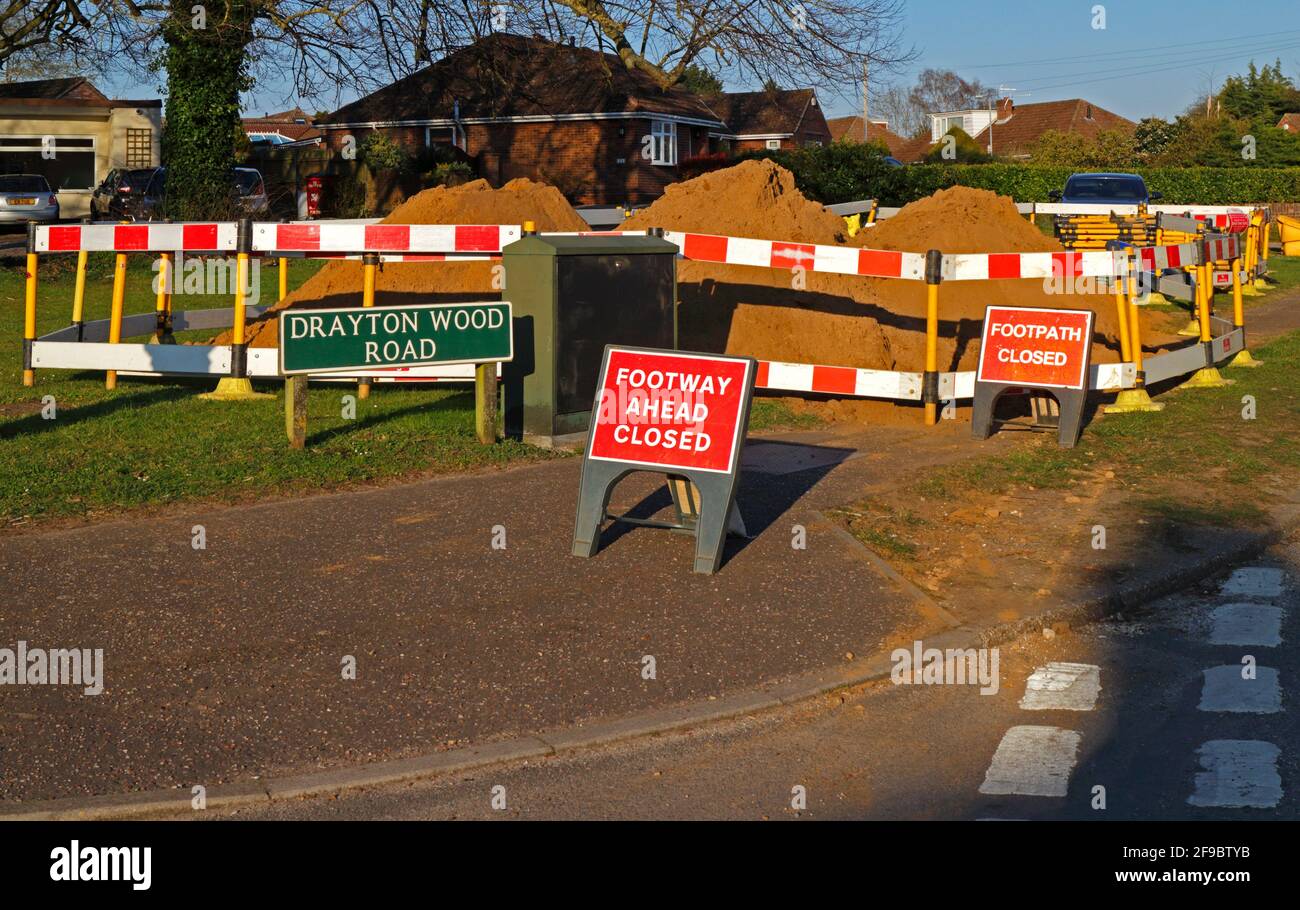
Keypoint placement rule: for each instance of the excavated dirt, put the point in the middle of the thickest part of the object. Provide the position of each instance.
(773, 315)
(338, 284)
(843, 320)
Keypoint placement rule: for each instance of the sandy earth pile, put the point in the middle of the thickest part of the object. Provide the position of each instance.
(338, 284)
(831, 319)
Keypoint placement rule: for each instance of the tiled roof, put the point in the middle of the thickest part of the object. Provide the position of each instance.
(511, 76)
(780, 112)
(72, 87)
(1290, 123)
(1017, 134)
(850, 130)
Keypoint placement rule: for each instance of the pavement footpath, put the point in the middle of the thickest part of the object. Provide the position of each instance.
(226, 663)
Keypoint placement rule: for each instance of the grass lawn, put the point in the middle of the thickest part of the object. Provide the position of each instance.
(153, 442)
(1199, 461)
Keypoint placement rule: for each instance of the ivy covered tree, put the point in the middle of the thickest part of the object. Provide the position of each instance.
(206, 61)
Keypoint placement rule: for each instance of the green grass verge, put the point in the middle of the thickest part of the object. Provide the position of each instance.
(1200, 461)
(153, 442)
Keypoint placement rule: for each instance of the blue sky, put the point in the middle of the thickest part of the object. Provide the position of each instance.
(1048, 50)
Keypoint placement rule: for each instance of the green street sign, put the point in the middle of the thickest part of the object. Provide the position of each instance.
(321, 341)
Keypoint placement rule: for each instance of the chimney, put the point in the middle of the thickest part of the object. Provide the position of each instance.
(1006, 107)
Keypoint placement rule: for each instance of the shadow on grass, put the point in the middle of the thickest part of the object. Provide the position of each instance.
(456, 401)
(35, 423)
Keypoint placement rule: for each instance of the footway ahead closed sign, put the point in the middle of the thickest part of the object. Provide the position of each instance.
(319, 341)
(1031, 348)
(684, 415)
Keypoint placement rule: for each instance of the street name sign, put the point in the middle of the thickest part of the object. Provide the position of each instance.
(323, 341)
(677, 413)
(1032, 348)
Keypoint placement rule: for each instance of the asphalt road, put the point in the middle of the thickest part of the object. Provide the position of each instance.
(1125, 705)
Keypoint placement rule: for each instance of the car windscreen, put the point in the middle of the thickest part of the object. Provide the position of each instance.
(23, 183)
(136, 181)
(1095, 187)
(247, 182)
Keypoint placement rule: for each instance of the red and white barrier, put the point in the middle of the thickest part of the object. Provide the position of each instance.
(848, 381)
(198, 237)
(993, 266)
(323, 237)
(812, 257)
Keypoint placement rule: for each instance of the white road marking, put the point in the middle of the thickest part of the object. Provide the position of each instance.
(1253, 581)
(1238, 773)
(1032, 761)
(1062, 687)
(1247, 624)
(1224, 690)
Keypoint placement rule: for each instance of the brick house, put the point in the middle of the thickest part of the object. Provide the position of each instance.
(521, 107)
(1290, 123)
(283, 128)
(769, 119)
(573, 117)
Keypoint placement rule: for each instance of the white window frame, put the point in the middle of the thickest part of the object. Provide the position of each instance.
(773, 145)
(663, 142)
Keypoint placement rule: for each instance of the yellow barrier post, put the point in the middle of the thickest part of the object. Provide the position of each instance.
(1260, 283)
(162, 300)
(284, 278)
(369, 268)
(237, 386)
(115, 313)
(1126, 352)
(29, 308)
(1252, 257)
(1193, 327)
(1136, 399)
(1242, 358)
(930, 385)
(79, 291)
(1208, 376)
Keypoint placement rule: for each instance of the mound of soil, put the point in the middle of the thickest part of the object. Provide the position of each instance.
(338, 284)
(838, 319)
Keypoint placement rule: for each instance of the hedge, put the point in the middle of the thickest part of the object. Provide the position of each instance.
(1029, 183)
(841, 173)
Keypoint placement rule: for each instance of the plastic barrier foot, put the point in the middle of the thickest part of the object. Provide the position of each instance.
(1248, 290)
(230, 388)
(1261, 284)
(1243, 359)
(1133, 401)
(1192, 328)
(1206, 378)
(1156, 298)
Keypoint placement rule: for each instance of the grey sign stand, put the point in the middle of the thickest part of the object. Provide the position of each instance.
(1069, 424)
(705, 501)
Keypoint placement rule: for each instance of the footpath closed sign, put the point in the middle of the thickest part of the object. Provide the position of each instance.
(1035, 347)
(1026, 348)
(681, 414)
(321, 341)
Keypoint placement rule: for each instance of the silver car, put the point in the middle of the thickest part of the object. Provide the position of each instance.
(27, 197)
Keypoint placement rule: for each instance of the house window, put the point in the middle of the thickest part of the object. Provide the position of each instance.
(663, 142)
(67, 162)
(139, 148)
(774, 144)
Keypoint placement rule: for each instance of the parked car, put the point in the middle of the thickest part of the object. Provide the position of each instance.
(123, 195)
(139, 194)
(1104, 189)
(27, 197)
